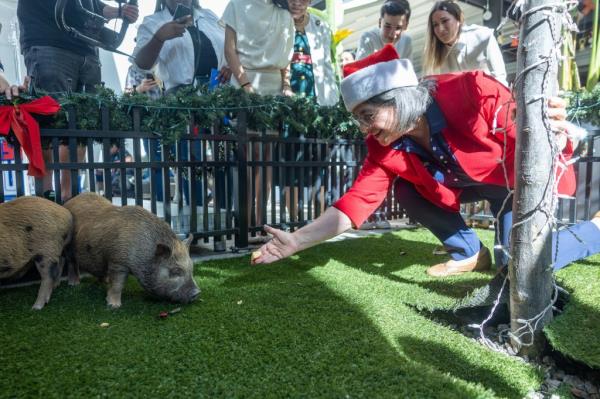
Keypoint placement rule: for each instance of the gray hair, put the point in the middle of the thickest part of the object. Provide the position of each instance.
(410, 103)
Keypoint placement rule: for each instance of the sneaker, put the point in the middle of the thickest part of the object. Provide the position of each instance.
(383, 224)
(481, 261)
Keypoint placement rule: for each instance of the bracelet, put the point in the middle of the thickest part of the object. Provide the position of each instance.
(245, 84)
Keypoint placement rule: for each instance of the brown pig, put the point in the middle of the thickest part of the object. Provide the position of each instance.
(110, 242)
(34, 231)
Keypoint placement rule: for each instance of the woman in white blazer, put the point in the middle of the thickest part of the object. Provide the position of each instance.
(453, 46)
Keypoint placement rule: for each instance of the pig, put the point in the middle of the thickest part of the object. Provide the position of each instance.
(34, 231)
(110, 242)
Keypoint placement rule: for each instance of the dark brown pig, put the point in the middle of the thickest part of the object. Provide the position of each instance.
(34, 231)
(110, 242)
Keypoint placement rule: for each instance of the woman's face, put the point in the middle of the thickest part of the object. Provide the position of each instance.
(377, 121)
(298, 7)
(445, 27)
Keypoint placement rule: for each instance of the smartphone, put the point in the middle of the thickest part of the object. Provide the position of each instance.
(214, 79)
(181, 11)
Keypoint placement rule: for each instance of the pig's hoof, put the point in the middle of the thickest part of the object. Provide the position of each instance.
(74, 281)
(114, 306)
(38, 306)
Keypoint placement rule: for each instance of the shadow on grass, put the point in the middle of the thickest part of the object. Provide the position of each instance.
(575, 332)
(282, 334)
(448, 361)
(387, 256)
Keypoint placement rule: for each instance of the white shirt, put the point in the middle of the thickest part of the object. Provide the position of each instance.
(371, 42)
(175, 62)
(476, 49)
(264, 33)
(319, 41)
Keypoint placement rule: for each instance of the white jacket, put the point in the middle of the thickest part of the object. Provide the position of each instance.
(175, 62)
(476, 49)
(319, 41)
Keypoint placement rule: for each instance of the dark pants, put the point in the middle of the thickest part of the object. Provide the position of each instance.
(58, 70)
(461, 242)
(157, 173)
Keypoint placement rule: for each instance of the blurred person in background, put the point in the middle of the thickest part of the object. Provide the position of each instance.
(347, 57)
(259, 44)
(184, 50)
(393, 22)
(59, 62)
(453, 46)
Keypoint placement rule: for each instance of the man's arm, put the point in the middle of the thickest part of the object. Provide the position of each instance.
(131, 12)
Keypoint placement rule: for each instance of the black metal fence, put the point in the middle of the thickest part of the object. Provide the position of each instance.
(227, 182)
(219, 183)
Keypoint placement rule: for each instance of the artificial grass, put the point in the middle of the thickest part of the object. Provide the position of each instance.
(576, 332)
(338, 320)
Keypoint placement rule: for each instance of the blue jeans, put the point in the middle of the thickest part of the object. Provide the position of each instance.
(461, 242)
(157, 173)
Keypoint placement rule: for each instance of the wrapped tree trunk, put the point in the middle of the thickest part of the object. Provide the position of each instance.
(530, 272)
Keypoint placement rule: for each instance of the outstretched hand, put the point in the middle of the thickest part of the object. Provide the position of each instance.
(282, 245)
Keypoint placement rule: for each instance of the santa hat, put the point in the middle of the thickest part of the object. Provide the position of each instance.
(376, 74)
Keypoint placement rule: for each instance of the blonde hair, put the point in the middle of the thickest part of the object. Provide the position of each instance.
(435, 50)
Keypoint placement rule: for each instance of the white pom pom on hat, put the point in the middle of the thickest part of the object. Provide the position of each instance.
(375, 74)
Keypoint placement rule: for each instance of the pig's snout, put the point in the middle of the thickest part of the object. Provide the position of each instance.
(194, 294)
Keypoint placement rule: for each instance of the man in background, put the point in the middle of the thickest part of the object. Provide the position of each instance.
(393, 21)
(59, 62)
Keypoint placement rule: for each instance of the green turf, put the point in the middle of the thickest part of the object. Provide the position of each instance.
(576, 332)
(338, 320)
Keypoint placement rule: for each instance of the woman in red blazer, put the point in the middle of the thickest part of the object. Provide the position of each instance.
(445, 141)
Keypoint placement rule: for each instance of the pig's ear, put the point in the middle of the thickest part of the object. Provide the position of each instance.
(162, 250)
(188, 240)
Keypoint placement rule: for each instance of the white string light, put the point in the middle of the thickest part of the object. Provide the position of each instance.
(560, 165)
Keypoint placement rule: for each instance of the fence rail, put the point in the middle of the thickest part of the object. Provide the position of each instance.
(228, 181)
(217, 184)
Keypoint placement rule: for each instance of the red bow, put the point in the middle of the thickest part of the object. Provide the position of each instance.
(26, 129)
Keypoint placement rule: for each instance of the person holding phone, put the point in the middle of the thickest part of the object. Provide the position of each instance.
(142, 83)
(183, 43)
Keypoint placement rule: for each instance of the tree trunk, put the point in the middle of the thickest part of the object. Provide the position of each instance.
(530, 269)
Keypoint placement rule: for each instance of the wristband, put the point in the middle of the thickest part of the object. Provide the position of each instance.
(245, 84)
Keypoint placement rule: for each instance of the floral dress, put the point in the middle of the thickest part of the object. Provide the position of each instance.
(302, 76)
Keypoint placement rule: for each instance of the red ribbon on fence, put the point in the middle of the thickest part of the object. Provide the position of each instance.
(26, 129)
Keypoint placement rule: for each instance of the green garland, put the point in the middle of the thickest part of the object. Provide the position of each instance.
(584, 106)
(169, 116)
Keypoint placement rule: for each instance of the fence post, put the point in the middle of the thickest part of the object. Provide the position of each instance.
(241, 238)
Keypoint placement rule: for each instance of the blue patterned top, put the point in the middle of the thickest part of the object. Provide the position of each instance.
(442, 163)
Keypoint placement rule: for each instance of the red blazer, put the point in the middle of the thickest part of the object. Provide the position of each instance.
(469, 102)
